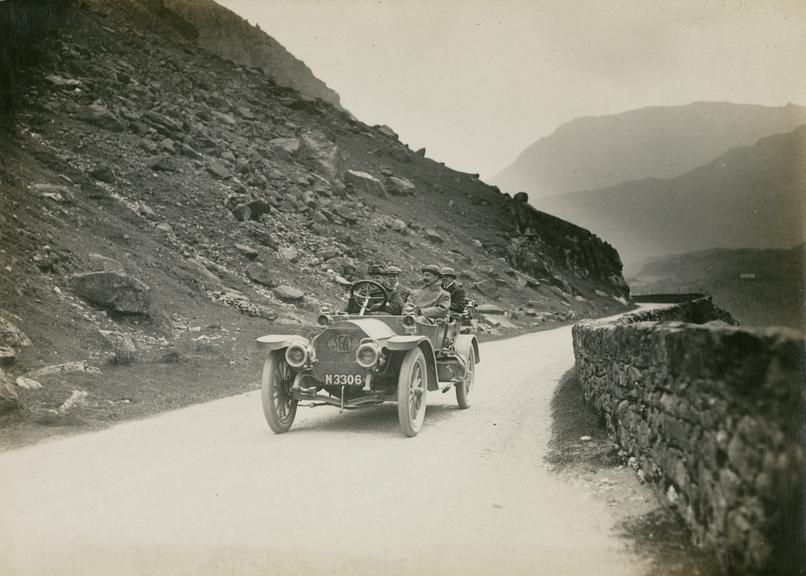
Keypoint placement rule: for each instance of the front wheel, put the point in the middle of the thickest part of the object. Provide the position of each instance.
(412, 385)
(279, 406)
(463, 388)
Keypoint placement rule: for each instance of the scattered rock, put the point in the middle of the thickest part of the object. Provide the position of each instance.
(65, 368)
(347, 214)
(61, 81)
(7, 355)
(217, 168)
(421, 152)
(261, 274)
(364, 182)
(53, 192)
(400, 186)
(161, 163)
(240, 302)
(284, 148)
(12, 336)
(288, 293)
(288, 253)
(99, 115)
(99, 263)
(114, 291)
(477, 243)
(398, 225)
(103, 173)
(247, 251)
(164, 227)
(521, 198)
(28, 383)
(319, 153)
(433, 236)
(489, 309)
(8, 396)
(386, 131)
(125, 351)
(77, 399)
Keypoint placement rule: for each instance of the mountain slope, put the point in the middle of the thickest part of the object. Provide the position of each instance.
(225, 33)
(209, 205)
(750, 197)
(759, 287)
(661, 142)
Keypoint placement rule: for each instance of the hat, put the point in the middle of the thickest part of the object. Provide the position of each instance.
(448, 271)
(393, 270)
(433, 268)
(377, 269)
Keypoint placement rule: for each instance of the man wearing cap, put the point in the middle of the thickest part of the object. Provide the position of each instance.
(392, 283)
(431, 301)
(457, 294)
(394, 304)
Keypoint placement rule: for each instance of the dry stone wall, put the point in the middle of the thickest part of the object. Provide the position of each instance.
(712, 415)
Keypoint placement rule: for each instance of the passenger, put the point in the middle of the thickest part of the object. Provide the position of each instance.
(431, 301)
(393, 283)
(457, 293)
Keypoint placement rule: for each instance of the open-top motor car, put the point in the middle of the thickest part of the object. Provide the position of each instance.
(367, 358)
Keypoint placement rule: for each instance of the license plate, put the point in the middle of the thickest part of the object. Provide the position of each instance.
(344, 380)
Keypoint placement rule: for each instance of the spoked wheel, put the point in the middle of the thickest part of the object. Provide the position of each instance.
(463, 388)
(279, 406)
(412, 386)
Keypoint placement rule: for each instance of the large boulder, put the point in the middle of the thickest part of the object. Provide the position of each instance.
(8, 396)
(12, 336)
(400, 186)
(112, 290)
(364, 182)
(288, 293)
(100, 263)
(262, 275)
(319, 153)
(99, 115)
(283, 148)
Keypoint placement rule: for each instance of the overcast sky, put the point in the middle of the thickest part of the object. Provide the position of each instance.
(476, 81)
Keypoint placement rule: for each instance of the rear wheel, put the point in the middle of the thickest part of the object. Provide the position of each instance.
(463, 388)
(412, 385)
(279, 406)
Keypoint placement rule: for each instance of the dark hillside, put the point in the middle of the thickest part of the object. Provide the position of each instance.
(216, 205)
(749, 197)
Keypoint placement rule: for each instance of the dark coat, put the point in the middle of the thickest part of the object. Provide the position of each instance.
(457, 297)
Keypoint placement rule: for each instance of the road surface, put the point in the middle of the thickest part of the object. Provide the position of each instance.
(210, 490)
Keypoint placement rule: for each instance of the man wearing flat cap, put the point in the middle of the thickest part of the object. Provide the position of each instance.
(457, 294)
(431, 301)
(394, 302)
(393, 285)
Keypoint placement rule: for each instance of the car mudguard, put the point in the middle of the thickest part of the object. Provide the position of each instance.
(400, 343)
(463, 343)
(272, 342)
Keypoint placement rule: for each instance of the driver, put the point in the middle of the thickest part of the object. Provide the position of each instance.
(394, 302)
(431, 301)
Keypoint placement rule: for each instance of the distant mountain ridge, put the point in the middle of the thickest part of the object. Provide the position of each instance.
(223, 32)
(750, 197)
(661, 142)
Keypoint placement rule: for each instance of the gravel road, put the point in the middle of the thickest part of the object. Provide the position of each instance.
(210, 490)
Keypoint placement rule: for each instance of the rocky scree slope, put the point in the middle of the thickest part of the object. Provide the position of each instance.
(160, 207)
(223, 32)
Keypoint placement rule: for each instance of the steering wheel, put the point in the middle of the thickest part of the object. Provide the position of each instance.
(368, 294)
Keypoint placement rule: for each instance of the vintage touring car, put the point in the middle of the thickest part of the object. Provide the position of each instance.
(365, 359)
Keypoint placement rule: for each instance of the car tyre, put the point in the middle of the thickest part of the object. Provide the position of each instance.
(412, 388)
(463, 388)
(279, 406)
